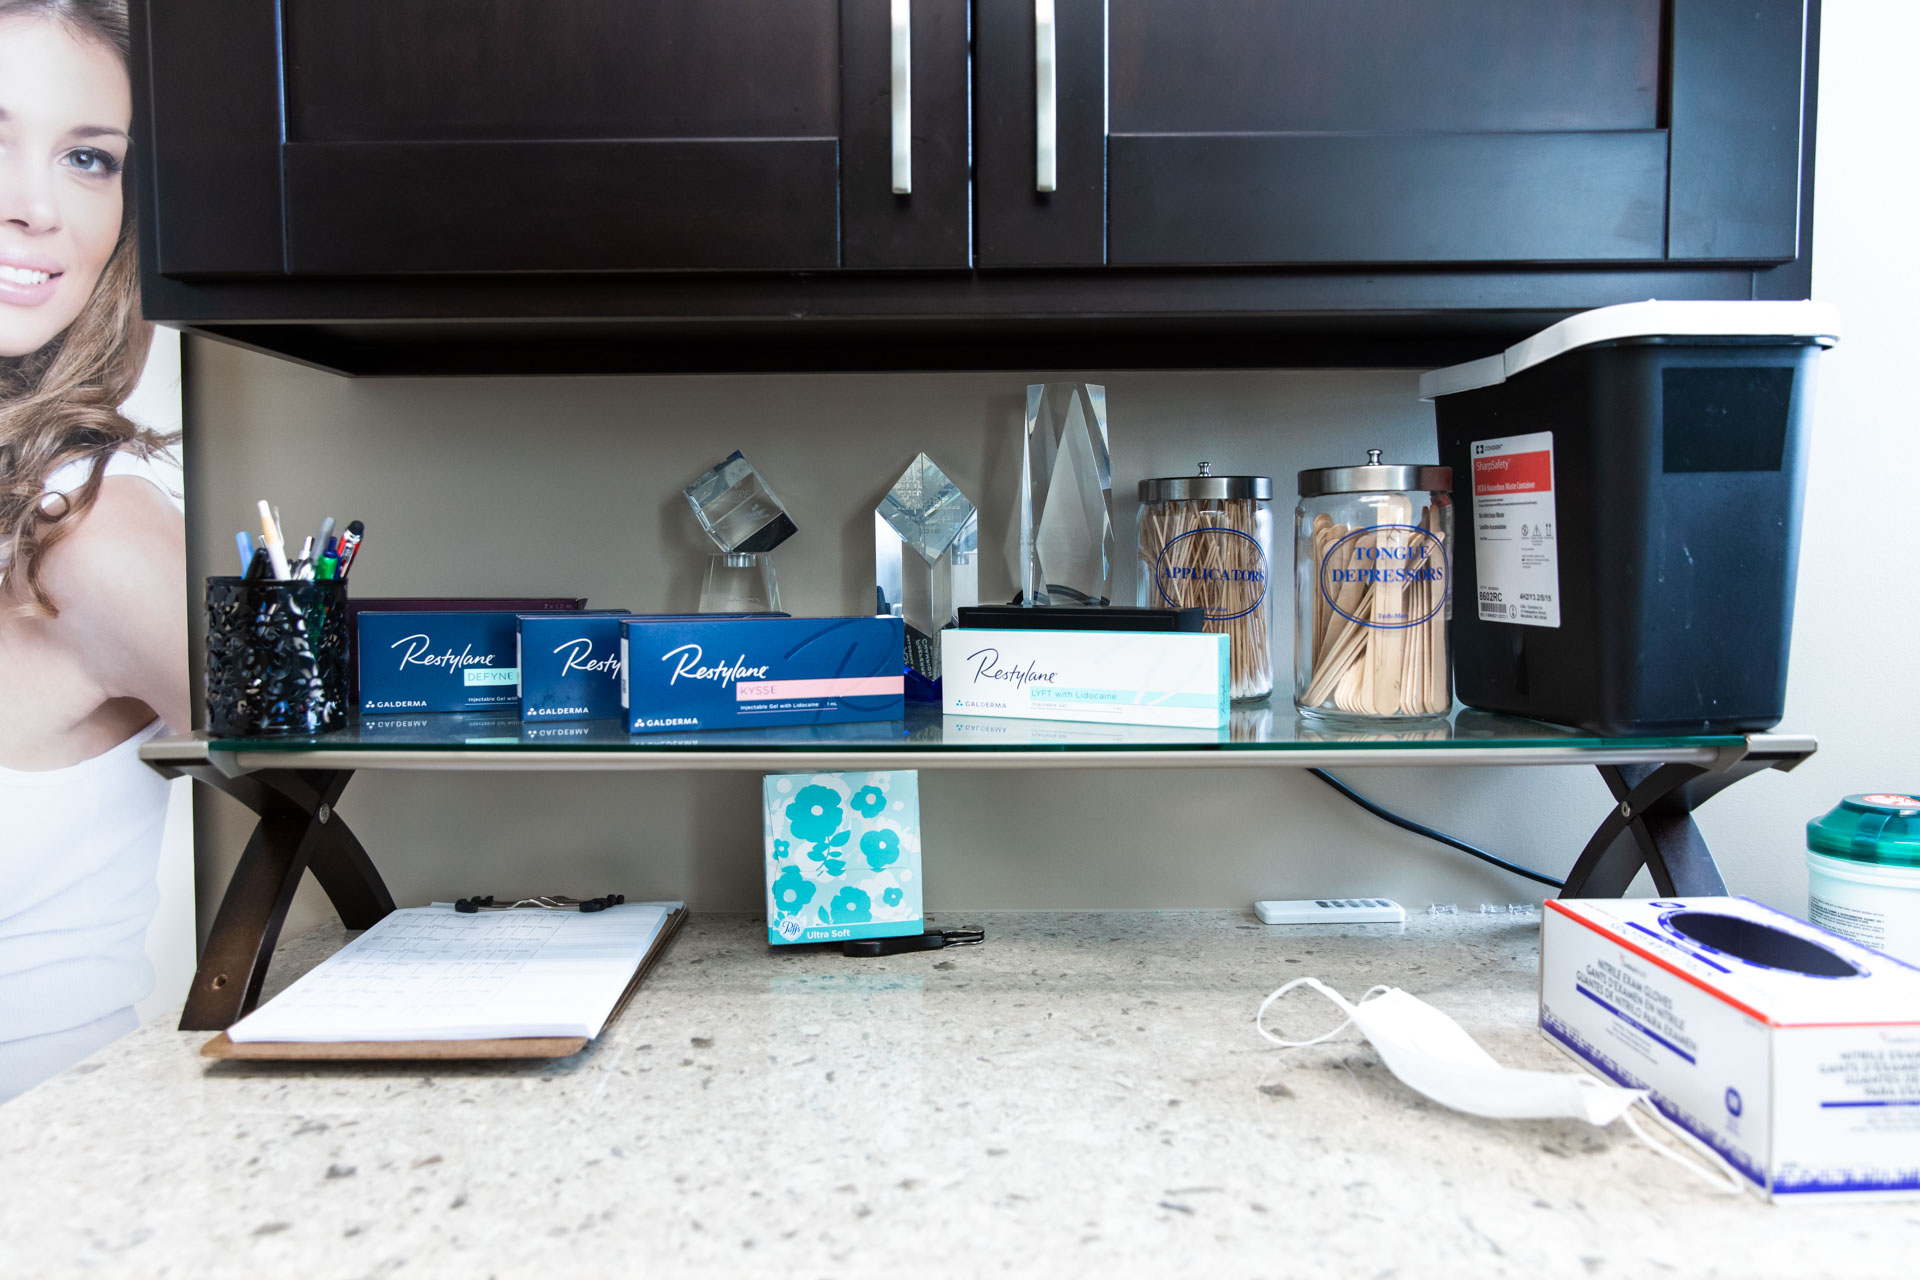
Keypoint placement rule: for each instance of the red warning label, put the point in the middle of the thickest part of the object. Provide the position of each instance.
(1513, 473)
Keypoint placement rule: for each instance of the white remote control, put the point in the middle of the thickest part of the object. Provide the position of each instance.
(1332, 911)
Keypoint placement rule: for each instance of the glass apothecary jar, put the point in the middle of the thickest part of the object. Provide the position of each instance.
(1373, 547)
(1206, 541)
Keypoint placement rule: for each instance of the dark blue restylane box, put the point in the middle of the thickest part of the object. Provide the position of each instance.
(437, 661)
(570, 665)
(746, 673)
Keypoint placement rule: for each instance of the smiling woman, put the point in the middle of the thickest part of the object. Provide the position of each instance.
(92, 601)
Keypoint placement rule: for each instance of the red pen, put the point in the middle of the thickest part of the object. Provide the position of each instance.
(350, 546)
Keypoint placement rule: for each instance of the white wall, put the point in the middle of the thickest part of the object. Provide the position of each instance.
(548, 486)
(1857, 622)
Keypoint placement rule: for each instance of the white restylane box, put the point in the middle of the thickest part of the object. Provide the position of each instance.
(1791, 1051)
(1177, 679)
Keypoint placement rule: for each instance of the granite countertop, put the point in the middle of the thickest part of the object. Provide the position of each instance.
(1083, 1094)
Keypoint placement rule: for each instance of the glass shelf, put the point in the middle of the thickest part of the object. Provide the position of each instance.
(1261, 735)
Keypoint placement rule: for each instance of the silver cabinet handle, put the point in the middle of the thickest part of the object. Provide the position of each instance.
(1046, 100)
(902, 98)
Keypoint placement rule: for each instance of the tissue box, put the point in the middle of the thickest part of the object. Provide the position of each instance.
(463, 661)
(752, 672)
(1791, 1051)
(1123, 677)
(843, 856)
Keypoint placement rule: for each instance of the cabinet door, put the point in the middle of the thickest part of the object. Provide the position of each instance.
(1297, 131)
(1028, 219)
(378, 137)
(527, 135)
(1257, 132)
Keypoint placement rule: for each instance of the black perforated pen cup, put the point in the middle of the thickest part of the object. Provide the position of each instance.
(276, 657)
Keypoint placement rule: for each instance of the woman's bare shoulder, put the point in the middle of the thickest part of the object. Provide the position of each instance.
(115, 547)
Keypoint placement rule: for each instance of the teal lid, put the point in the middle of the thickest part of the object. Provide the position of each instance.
(1881, 828)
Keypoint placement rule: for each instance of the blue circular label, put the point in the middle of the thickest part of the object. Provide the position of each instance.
(1412, 556)
(1225, 573)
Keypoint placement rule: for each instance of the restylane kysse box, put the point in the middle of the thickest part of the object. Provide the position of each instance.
(752, 672)
(1791, 1051)
(1124, 677)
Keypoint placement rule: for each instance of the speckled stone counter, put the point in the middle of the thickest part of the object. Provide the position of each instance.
(1084, 1095)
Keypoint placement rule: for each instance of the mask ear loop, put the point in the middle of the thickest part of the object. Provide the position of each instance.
(1728, 1179)
(1324, 990)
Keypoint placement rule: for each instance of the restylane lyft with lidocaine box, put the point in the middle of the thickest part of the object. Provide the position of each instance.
(753, 672)
(1792, 1052)
(1176, 679)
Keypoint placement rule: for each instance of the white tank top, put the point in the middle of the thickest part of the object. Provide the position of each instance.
(78, 851)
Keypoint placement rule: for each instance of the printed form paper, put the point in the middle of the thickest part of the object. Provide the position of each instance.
(432, 973)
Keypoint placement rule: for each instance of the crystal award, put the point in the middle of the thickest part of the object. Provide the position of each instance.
(738, 509)
(926, 550)
(1066, 500)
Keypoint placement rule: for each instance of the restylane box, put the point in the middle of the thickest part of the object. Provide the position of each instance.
(1791, 1051)
(746, 673)
(570, 665)
(464, 661)
(1174, 679)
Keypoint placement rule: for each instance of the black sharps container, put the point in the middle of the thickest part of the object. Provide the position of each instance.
(1629, 486)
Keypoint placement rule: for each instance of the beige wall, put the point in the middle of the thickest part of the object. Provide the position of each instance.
(516, 486)
(560, 486)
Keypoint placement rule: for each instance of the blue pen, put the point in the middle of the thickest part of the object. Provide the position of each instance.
(242, 541)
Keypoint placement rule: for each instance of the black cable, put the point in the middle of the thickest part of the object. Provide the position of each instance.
(1407, 824)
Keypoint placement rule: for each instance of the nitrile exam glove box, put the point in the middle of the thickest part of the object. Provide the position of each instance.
(744, 673)
(1791, 1051)
(1125, 677)
(843, 856)
(570, 665)
(437, 661)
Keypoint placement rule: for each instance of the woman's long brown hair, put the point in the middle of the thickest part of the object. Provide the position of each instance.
(61, 404)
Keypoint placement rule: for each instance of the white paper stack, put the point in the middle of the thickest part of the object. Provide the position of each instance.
(431, 973)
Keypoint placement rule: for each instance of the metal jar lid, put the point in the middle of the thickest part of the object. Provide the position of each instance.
(1206, 485)
(1376, 477)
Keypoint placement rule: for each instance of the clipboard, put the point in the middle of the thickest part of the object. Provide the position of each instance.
(526, 1047)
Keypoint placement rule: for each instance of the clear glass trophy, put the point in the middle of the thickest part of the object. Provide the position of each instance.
(740, 512)
(926, 551)
(1066, 500)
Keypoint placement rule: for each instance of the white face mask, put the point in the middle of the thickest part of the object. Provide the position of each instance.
(1434, 1055)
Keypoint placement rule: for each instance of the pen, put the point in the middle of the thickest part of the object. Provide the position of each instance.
(245, 544)
(350, 545)
(258, 567)
(276, 550)
(323, 538)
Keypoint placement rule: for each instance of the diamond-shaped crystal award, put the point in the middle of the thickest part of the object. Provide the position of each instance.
(926, 552)
(1066, 511)
(738, 509)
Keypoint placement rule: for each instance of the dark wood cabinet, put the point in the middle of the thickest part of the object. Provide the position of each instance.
(543, 183)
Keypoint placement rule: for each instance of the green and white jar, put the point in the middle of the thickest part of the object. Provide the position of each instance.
(1863, 872)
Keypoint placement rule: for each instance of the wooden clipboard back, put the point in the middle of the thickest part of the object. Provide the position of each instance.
(223, 1048)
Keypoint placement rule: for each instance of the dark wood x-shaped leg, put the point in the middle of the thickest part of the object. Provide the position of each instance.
(298, 832)
(1652, 824)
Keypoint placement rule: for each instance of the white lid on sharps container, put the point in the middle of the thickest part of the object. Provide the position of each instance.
(1817, 322)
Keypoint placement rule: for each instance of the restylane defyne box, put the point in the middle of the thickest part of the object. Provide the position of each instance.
(1178, 679)
(1791, 1051)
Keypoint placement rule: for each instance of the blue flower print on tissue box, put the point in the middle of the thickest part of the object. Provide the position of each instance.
(843, 856)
